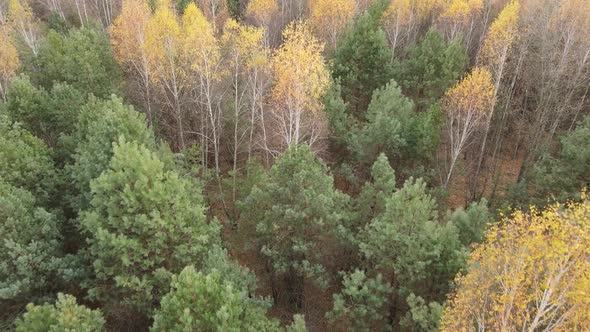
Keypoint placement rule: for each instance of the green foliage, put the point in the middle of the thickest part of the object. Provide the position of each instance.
(407, 241)
(229, 270)
(181, 6)
(100, 124)
(431, 67)
(26, 162)
(235, 10)
(294, 212)
(46, 114)
(373, 196)
(298, 324)
(145, 224)
(362, 61)
(65, 316)
(81, 58)
(30, 249)
(563, 175)
(199, 302)
(362, 303)
(422, 317)
(471, 222)
(338, 119)
(394, 128)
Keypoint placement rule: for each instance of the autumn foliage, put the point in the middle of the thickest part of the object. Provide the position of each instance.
(532, 273)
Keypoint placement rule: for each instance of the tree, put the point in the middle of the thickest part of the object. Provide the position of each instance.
(530, 274)
(144, 224)
(362, 303)
(215, 11)
(494, 55)
(362, 62)
(20, 18)
(394, 128)
(467, 108)
(247, 57)
(46, 114)
(431, 68)
(300, 81)
(30, 257)
(263, 12)
(399, 20)
(561, 176)
(204, 62)
(26, 162)
(329, 18)
(82, 58)
(459, 17)
(65, 315)
(99, 125)
(163, 48)
(407, 238)
(471, 221)
(416, 252)
(9, 61)
(201, 302)
(373, 196)
(294, 212)
(128, 38)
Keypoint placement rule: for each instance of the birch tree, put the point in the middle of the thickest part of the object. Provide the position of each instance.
(129, 38)
(500, 38)
(20, 18)
(164, 47)
(301, 79)
(203, 57)
(466, 106)
(531, 274)
(9, 61)
(330, 17)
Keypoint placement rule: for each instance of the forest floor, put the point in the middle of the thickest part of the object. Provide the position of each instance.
(508, 164)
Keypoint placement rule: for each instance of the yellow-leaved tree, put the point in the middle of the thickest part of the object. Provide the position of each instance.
(216, 11)
(496, 48)
(128, 37)
(23, 23)
(300, 81)
(399, 20)
(459, 18)
(9, 61)
(166, 63)
(264, 12)
(247, 58)
(328, 18)
(201, 52)
(531, 274)
(467, 109)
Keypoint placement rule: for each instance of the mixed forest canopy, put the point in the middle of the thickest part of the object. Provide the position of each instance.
(291, 165)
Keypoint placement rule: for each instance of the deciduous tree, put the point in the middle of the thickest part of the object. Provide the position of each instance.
(330, 17)
(9, 61)
(263, 12)
(129, 39)
(20, 18)
(530, 274)
(300, 81)
(467, 107)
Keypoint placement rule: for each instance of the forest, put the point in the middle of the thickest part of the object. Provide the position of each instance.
(294, 165)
